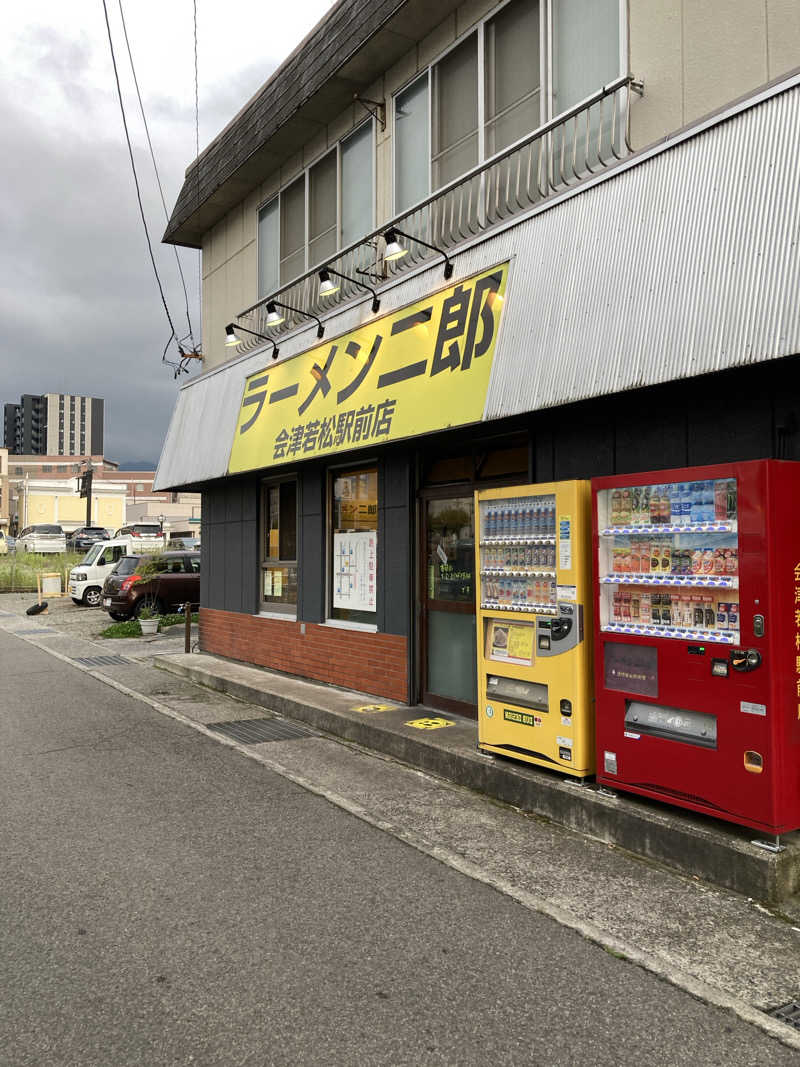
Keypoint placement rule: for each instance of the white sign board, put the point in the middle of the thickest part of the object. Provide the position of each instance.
(354, 569)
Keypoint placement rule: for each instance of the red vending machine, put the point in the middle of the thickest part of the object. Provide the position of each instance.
(697, 661)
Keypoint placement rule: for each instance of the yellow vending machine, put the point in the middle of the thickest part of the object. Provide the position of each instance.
(535, 689)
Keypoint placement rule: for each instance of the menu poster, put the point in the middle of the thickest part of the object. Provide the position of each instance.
(510, 642)
(354, 569)
(267, 584)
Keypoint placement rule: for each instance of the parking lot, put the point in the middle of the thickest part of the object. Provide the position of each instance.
(89, 623)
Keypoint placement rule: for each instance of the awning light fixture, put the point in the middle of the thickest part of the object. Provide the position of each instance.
(231, 339)
(273, 304)
(327, 287)
(394, 250)
(274, 317)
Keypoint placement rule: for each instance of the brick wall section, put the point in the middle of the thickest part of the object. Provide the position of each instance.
(372, 663)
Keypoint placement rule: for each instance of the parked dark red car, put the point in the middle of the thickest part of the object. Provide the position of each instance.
(161, 582)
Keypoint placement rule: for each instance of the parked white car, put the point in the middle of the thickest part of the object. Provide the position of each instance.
(142, 537)
(85, 582)
(3, 544)
(43, 537)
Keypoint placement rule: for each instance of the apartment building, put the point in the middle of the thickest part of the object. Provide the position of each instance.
(54, 424)
(449, 246)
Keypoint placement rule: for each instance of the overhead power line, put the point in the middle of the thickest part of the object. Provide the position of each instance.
(181, 366)
(190, 334)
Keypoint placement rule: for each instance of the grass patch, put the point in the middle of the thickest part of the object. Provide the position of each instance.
(173, 620)
(131, 627)
(18, 572)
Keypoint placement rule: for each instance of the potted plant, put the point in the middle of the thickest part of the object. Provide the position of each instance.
(148, 621)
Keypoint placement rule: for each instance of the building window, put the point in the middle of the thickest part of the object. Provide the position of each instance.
(293, 231)
(454, 113)
(353, 545)
(513, 75)
(538, 60)
(269, 278)
(329, 206)
(278, 571)
(46, 468)
(411, 179)
(322, 209)
(357, 185)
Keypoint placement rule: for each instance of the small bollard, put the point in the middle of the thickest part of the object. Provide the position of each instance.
(187, 643)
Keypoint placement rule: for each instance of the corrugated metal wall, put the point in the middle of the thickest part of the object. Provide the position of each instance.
(682, 263)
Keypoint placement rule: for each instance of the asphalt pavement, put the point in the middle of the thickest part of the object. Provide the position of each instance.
(165, 901)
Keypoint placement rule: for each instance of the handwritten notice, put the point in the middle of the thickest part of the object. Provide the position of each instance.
(354, 568)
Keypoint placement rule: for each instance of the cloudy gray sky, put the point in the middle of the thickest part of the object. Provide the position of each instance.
(80, 310)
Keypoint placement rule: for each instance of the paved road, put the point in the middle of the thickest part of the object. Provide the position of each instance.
(165, 901)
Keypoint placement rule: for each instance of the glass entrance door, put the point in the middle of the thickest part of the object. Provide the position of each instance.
(448, 605)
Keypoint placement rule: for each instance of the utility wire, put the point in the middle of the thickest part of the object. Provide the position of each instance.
(190, 334)
(173, 335)
(197, 155)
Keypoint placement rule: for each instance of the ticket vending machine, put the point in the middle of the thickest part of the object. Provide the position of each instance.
(698, 639)
(534, 631)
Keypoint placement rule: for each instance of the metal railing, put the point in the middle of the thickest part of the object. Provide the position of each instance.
(570, 148)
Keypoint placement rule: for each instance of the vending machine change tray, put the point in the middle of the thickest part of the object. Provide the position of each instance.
(672, 724)
(531, 695)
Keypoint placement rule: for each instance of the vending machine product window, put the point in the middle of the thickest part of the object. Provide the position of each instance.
(669, 560)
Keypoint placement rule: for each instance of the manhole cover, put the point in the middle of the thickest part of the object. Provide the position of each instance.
(256, 731)
(788, 1013)
(101, 661)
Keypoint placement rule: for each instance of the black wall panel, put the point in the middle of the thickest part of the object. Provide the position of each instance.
(229, 545)
(749, 413)
(396, 569)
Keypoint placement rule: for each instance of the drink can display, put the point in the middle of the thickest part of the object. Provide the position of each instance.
(720, 500)
(733, 616)
(731, 500)
(722, 616)
(675, 515)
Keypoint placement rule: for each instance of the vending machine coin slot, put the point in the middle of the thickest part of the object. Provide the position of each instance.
(758, 625)
(745, 659)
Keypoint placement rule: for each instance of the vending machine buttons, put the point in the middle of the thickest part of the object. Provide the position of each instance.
(745, 659)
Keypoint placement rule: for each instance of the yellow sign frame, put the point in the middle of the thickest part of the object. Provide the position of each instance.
(422, 368)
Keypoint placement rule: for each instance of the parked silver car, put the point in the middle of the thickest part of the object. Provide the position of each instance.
(43, 537)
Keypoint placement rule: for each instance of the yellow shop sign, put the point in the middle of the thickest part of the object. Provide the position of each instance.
(423, 368)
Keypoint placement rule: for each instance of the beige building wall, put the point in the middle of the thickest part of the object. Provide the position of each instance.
(57, 501)
(694, 56)
(5, 501)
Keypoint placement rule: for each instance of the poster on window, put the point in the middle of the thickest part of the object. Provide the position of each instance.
(354, 570)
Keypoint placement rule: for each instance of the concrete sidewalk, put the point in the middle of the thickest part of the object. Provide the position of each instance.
(717, 852)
